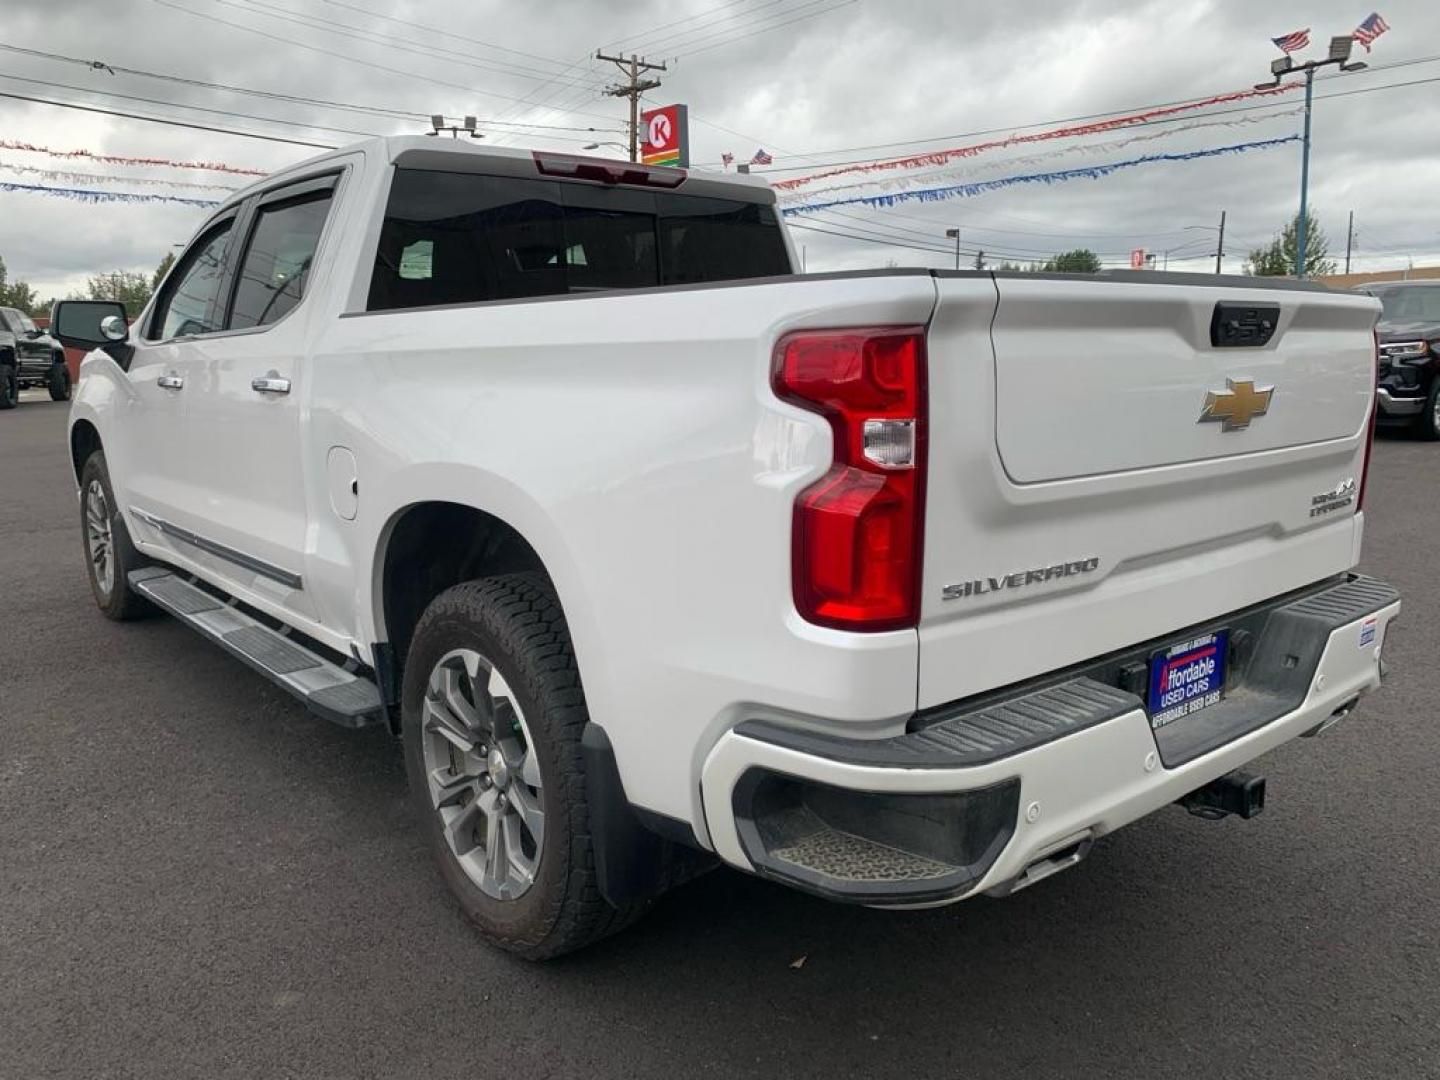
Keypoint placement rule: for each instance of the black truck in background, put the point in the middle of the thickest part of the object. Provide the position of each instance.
(29, 357)
(1408, 394)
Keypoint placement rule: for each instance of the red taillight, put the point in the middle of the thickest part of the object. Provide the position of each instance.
(1370, 431)
(856, 544)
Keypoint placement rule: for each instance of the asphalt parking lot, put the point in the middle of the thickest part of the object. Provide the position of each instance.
(198, 879)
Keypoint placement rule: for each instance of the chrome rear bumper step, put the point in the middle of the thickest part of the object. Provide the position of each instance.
(327, 689)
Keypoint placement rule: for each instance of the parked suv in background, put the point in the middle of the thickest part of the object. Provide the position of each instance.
(1409, 373)
(29, 357)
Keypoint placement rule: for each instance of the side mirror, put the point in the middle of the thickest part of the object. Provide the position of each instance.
(89, 324)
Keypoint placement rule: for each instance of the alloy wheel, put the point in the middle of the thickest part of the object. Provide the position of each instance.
(482, 774)
(99, 544)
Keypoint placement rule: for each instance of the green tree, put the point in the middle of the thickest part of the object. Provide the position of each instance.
(131, 287)
(1280, 257)
(17, 294)
(1079, 261)
(161, 270)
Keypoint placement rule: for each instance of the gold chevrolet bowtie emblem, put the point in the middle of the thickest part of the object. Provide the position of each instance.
(1237, 404)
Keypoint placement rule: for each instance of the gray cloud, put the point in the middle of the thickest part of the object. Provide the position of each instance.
(858, 75)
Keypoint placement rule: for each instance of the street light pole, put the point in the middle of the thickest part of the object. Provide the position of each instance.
(956, 234)
(1304, 226)
(1340, 47)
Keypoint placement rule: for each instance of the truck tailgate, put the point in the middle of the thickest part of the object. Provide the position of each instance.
(1097, 377)
(1101, 473)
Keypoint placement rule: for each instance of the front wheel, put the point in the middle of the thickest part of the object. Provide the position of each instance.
(9, 386)
(110, 556)
(58, 382)
(1428, 422)
(492, 713)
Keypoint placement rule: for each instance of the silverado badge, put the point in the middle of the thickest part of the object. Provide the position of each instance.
(1237, 404)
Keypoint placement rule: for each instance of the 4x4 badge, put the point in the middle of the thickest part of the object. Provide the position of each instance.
(1236, 405)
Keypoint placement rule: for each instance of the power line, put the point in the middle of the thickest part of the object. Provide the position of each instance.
(635, 40)
(182, 105)
(663, 42)
(408, 75)
(331, 26)
(161, 120)
(274, 95)
(431, 29)
(874, 228)
(887, 243)
(547, 101)
(688, 50)
(882, 229)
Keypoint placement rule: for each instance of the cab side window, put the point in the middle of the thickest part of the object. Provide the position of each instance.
(189, 303)
(277, 260)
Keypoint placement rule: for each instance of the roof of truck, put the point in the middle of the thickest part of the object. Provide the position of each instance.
(392, 147)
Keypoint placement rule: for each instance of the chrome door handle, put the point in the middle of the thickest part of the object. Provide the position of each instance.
(270, 384)
(170, 382)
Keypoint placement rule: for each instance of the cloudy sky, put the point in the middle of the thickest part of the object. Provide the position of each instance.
(816, 83)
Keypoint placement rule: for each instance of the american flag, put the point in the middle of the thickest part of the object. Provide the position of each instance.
(761, 158)
(1370, 29)
(726, 159)
(1293, 42)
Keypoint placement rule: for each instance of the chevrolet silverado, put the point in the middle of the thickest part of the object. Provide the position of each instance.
(898, 587)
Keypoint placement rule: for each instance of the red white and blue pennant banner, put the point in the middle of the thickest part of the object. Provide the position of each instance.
(87, 195)
(120, 159)
(945, 157)
(1093, 172)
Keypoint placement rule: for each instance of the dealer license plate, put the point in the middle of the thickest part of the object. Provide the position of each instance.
(1187, 677)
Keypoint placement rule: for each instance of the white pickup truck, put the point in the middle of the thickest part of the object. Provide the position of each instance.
(897, 587)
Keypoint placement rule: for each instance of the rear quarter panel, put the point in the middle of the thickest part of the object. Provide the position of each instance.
(634, 441)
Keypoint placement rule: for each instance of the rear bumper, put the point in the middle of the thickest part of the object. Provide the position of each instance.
(1391, 405)
(1004, 792)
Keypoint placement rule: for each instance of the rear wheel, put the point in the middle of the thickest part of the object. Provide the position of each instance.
(9, 386)
(493, 712)
(58, 382)
(109, 554)
(1428, 422)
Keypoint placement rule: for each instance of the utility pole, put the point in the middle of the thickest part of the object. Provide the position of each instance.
(631, 69)
(955, 233)
(1220, 244)
(1339, 56)
(1349, 240)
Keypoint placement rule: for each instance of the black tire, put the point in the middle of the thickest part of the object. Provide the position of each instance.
(9, 385)
(515, 622)
(1427, 424)
(58, 382)
(120, 602)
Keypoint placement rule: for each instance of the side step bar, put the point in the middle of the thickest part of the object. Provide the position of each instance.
(326, 688)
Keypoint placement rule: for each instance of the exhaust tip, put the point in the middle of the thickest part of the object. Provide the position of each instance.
(1334, 718)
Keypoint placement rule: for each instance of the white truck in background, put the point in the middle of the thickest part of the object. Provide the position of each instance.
(897, 587)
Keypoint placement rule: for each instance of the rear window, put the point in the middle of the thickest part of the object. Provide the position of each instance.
(455, 238)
